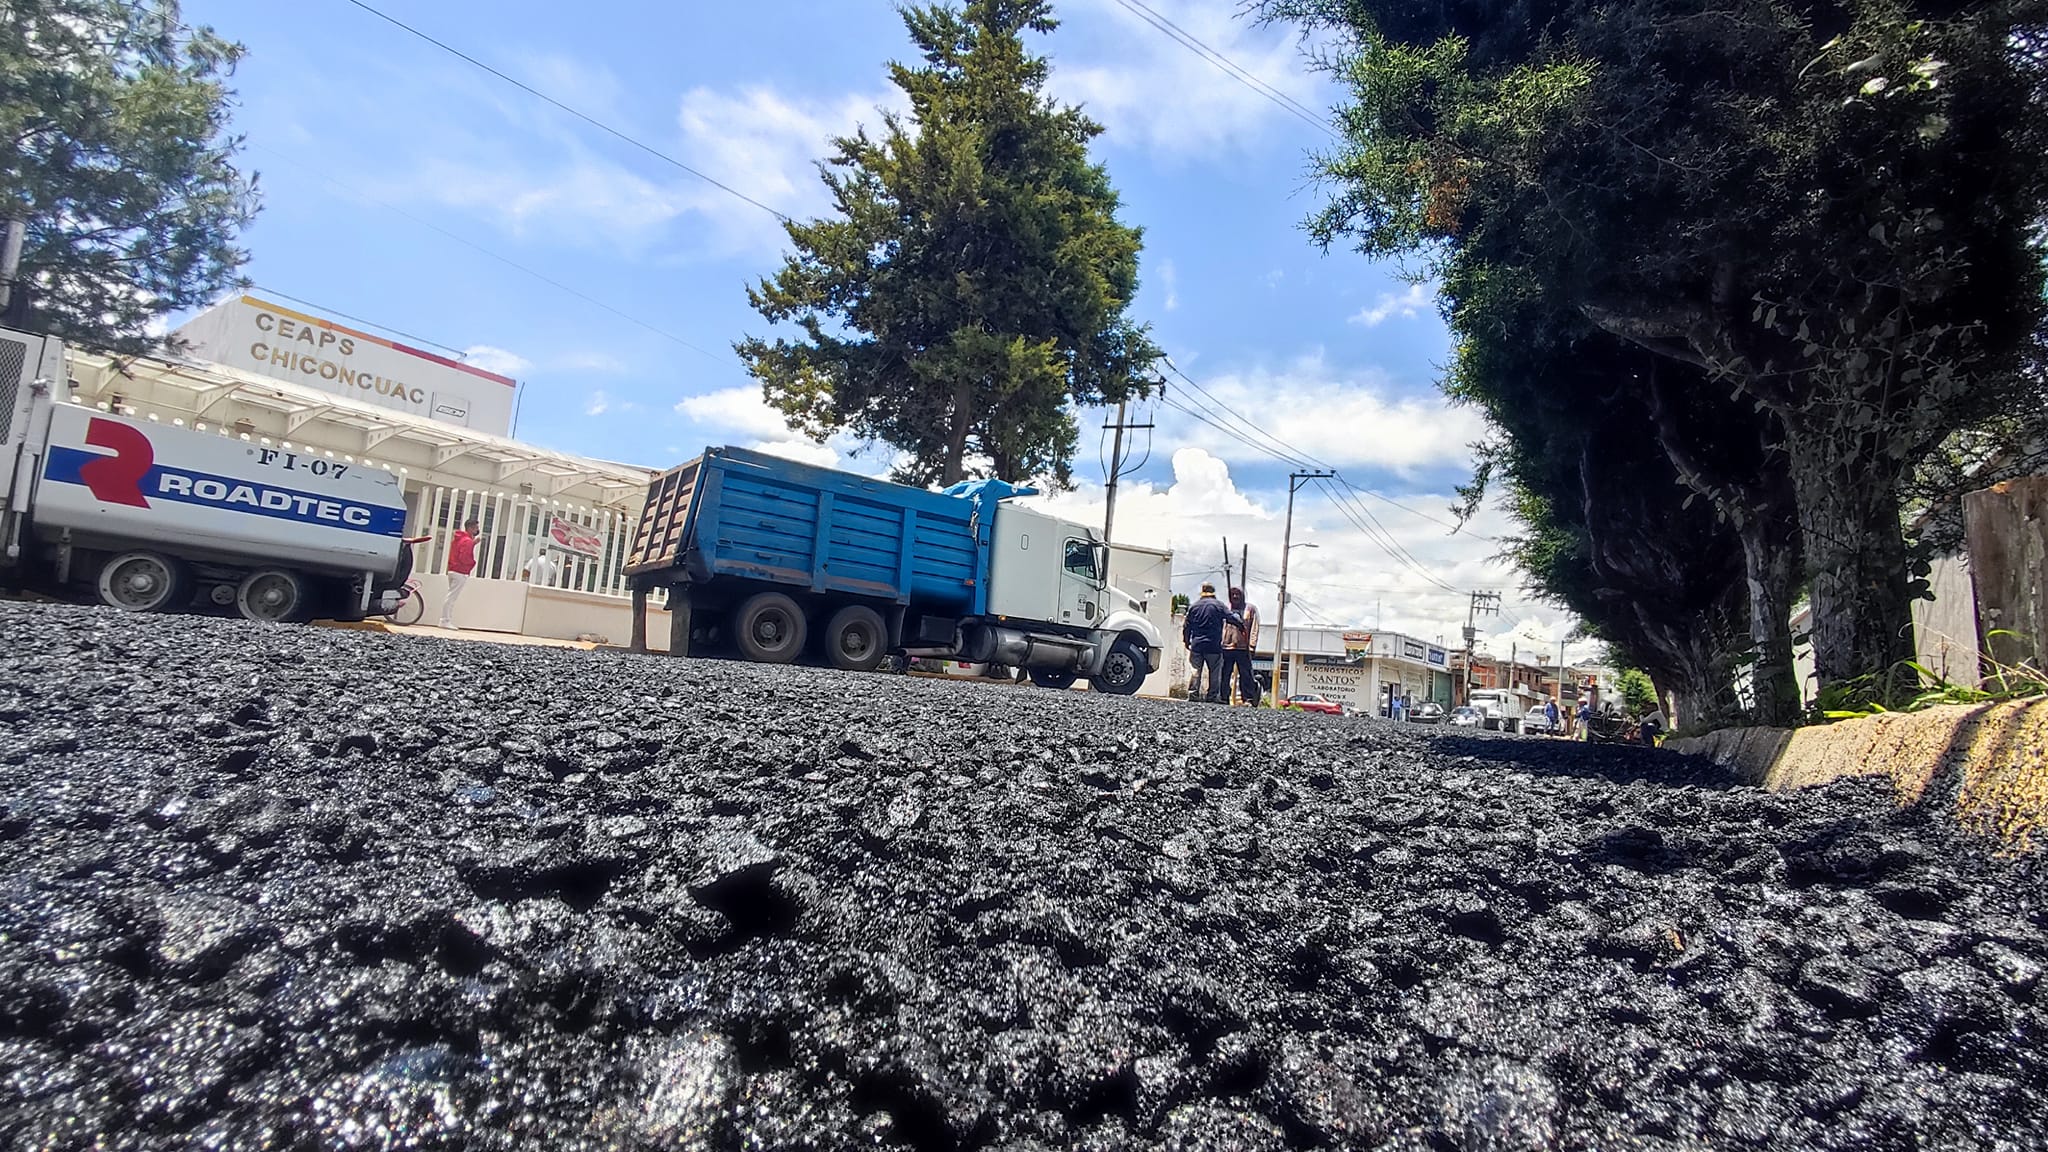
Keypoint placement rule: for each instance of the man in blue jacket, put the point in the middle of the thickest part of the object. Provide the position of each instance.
(1202, 632)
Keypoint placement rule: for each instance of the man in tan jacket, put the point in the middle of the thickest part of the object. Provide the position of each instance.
(1238, 644)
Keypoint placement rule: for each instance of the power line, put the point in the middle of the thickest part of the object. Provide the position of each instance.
(1229, 68)
(322, 308)
(583, 116)
(475, 247)
(1289, 454)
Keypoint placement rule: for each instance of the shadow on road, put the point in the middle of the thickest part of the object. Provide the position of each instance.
(1614, 763)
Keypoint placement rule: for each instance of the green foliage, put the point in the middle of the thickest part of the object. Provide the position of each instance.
(1831, 211)
(973, 284)
(1638, 694)
(121, 163)
(1180, 602)
(1910, 686)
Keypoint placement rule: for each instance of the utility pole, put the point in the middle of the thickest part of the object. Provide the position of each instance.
(1560, 673)
(1294, 482)
(1116, 467)
(1244, 569)
(1228, 583)
(10, 259)
(1482, 603)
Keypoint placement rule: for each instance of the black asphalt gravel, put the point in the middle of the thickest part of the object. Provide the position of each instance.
(300, 888)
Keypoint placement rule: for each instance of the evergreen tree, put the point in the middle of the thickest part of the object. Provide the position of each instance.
(120, 163)
(972, 286)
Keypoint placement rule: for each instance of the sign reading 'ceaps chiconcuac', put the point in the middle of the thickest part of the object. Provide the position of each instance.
(278, 342)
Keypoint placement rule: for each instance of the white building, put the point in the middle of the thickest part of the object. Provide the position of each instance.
(1364, 669)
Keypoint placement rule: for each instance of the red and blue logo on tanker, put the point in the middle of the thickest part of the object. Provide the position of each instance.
(131, 477)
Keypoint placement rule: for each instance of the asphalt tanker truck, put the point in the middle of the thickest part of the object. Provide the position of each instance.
(775, 560)
(150, 517)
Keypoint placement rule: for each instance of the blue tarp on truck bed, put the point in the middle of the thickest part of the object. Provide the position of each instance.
(744, 514)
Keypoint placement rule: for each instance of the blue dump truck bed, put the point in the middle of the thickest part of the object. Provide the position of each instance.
(742, 514)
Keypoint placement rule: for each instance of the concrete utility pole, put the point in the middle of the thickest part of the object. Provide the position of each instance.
(1116, 467)
(1228, 583)
(10, 259)
(1294, 482)
(1482, 603)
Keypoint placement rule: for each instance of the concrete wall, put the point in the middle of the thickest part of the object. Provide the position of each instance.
(1945, 628)
(1134, 570)
(1989, 761)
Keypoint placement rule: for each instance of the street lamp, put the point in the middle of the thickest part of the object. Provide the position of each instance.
(1280, 630)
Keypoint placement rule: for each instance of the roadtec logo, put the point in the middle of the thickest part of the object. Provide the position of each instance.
(132, 478)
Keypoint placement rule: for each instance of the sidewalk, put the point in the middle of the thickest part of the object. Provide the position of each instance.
(513, 638)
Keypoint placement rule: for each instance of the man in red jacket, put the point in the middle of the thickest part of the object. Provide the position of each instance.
(461, 562)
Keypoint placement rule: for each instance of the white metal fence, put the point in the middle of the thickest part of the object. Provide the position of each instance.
(515, 531)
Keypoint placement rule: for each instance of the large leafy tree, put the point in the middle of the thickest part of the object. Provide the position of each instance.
(1829, 209)
(972, 285)
(118, 158)
(1549, 382)
(1608, 529)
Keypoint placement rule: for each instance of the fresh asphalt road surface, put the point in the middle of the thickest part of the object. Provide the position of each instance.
(302, 888)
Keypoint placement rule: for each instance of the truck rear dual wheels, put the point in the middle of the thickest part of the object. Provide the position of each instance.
(272, 596)
(145, 582)
(770, 628)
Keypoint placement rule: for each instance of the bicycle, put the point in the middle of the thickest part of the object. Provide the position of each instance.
(411, 605)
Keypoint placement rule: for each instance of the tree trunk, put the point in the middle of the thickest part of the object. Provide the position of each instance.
(956, 441)
(1855, 557)
(1773, 572)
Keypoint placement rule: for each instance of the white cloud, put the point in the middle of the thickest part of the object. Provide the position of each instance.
(1169, 276)
(1406, 305)
(1146, 87)
(742, 415)
(557, 181)
(1346, 419)
(598, 404)
(594, 363)
(494, 359)
(740, 410)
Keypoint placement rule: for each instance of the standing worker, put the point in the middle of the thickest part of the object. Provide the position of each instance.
(461, 563)
(1239, 641)
(1550, 714)
(1202, 632)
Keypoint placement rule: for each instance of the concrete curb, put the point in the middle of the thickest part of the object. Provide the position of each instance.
(1999, 753)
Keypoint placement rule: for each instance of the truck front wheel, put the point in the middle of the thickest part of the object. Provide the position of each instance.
(856, 639)
(1123, 670)
(271, 596)
(769, 628)
(144, 582)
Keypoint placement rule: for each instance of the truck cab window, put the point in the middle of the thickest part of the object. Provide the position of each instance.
(1081, 560)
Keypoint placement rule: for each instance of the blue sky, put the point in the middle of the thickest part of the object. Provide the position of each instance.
(402, 186)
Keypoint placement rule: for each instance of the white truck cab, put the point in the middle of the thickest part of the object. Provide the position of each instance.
(1502, 711)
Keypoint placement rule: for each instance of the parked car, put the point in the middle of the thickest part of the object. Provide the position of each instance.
(1466, 716)
(1537, 722)
(1427, 712)
(1310, 702)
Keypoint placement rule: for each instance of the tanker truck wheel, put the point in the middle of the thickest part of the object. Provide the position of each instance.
(272, 596)
(856, 639)
(1122, 671)
(144, 582)
(769, 628)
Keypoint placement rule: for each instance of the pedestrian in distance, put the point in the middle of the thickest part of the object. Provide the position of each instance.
(1239, 641)
(1202, 632)
(1650, 727)
(1550, 714)
(542, 569)
(461, 565)
(1586, 718)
